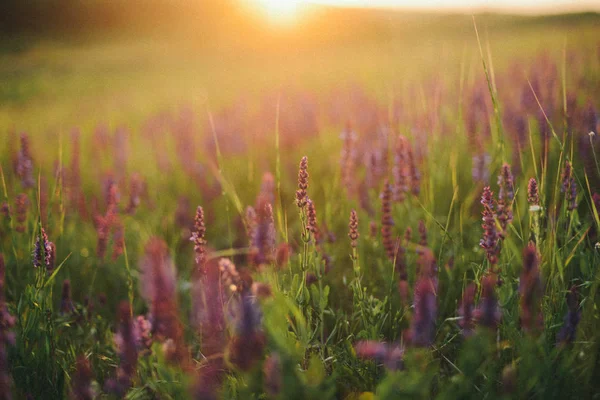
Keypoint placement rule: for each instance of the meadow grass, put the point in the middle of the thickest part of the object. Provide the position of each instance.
(122, 140)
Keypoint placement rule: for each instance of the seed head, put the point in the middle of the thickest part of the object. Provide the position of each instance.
(198, 237)
(569, 187)
(353, 229)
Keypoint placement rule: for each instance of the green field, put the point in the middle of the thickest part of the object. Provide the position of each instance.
(112, 139)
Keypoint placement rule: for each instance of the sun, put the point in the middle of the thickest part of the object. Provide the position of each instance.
(281, 11)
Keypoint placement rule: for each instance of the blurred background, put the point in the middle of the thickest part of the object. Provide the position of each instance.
(118, 59)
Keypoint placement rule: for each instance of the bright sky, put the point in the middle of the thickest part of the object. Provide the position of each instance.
(285, 12)
(514, 5)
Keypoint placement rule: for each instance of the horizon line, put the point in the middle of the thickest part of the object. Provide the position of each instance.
(565, 8)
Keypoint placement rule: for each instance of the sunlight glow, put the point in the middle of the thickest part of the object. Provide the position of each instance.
(284, 9)
(281, 11)
(290, 12)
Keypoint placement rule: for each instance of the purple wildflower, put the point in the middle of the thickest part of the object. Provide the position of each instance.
(569, 329)
(466, 311)
(267, 190)
(533, 196)
(348, 160)
(262, 240)
(272, 375)
(248, 342)
(490, 239)
(159, 289)
(81, 383)
(7, 321)
(569, 188)
(415, 175)
(118, 238)
(182, 213)
(136, 189)
(422, 233)
(311, 224)
(530, 288)
(21, 205)
(44, 252)
(25, 164)
(230, 277)
(390, 355)
(506, 192)
(488, 312)
(422, 327)
(261, 290)
(373, 229)
(505, 199)
(282, 254)
(128, 354)
(401, 170)
(142, 336)
(208, 306)
(301, 195)
(66, 303)
(480, 170)
(387, 221)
